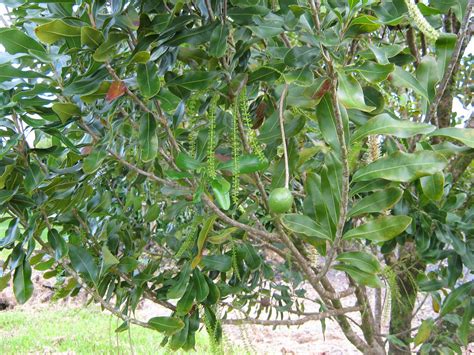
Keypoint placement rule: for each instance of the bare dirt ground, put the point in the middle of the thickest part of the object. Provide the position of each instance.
(306, 339)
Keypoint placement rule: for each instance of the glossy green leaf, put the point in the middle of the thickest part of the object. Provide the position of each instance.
(374, 72)
(186, 162)
(363, 261)
(221, 263)
(444, 50)
(11, 234)
(223, 235)
(203, 234)
(304, 225)
(148, 80)
(83, 262)
(22, 285)
(247, 164)
(141, 57)
(301, 56)
(403, 167)
(464, 135)
(56, 30)
(433, 186)
(166, 325)
(148, 137)
(152, 213)
(362, 24)
(351, 95)
(385, 124)
(181, 283)
(360, 276)
(404, 79)
(194, 80)
(427, 76)
(424, 332)
(91, 37)
(200, 285)
(66, 110)
(377, 202)
(14, 41)
(94, 161)
(7, 72)
(221, 189)
(107, 49)
(380, 229)
(185, 303)
(57, 243)
(108, 259)
(456, 297)
(218, 44)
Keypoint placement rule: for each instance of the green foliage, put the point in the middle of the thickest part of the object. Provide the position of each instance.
(142, 144)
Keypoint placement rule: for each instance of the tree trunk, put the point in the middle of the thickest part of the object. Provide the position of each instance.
(403, 297)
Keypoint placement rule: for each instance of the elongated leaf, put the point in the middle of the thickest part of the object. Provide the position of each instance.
(181, 284)
(218, 44)
(327, 122)
(360, 276)
(385, 124)
(423, 332)
(7, 72)
(361, 260)
(83, 262)
(247, 164)
(203, 234)
(14, 41)
(148, 81)
(456, 297)
(148, 138)
(22, 285)
(65, 110)
(464, 135)
(11, 234)
(380, 229)
(221, 263)
(403, 167)
(55, 30)
(377, 202)
(221, 188)
(351, 95)
(91, 37)
(57, 243)
(107, 49)
(433, 186)
(166, 325)
(404, 79)
(222, 236)
(375, 72)
(304, 225)
(194, 80)
(201, 286)
(427, 76)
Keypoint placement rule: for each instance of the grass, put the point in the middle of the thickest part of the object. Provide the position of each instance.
(80, 330)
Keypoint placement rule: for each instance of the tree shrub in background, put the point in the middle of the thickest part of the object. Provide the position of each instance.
(206, 155)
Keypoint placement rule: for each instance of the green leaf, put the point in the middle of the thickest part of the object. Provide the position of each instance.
(327, 122)
(361, 260)
(91, 37)
(301, 56)
(57, 243)
(218, 44)
(424, 332)
(65, 110)
(433, 186)
(179, 287)
(4, 281)
(93, 161)
(403, 167)
(194, 80)
(380, 229)
(141, 57)
(201, 286)
(351, 95)
(15, 41)
(148, 80)
(456, 297)
(148, 139)
(166, 325)
(427, 76)
(404, 79)
(152, 213)
(464, 329)
(83, 262)
(194, 36)
(7, 72)
(203, 234)
(304, 225)
(223, 235)
(374, 72)
(360, 276)
(221, 263)
(248, 164)
(186, 162)
(185, 303)
(56, 30)
(107, 49)
(11, 234)
(464, 135)
(302, 77)
(221, 188)
(108, 259)
(22, 285)
(377, 202)
(385, 124)
(362, 24)
(444, 50)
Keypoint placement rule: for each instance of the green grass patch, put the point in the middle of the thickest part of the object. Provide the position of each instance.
(81, 330)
